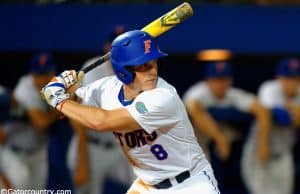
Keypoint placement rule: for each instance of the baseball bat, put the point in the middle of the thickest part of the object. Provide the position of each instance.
(155, 28)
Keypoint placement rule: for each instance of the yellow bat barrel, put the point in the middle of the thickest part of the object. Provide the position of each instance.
(169, 20)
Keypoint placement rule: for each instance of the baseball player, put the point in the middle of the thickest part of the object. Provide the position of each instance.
(104, 158)
(146, 115)
(282, 97)
(24, 160)
(217, 109)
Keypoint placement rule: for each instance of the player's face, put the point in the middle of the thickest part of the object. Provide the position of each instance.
(145, 76)
(219, 86)
(41, 80)
(289, 85)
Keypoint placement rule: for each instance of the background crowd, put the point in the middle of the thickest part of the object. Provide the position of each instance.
(245, 107)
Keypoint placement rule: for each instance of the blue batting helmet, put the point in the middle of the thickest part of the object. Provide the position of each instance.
(133, 48)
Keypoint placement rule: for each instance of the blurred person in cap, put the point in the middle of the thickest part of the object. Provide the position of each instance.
(221, 112)
(94, 157)
(24, 155)
(282, 97)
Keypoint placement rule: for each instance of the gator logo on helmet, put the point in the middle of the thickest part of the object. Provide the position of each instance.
(140, 107)
(147, 44)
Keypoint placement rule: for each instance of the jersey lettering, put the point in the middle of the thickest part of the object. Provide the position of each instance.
(135, 138)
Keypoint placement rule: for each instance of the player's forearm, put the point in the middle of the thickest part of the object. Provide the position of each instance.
(207, 126)
(263, 130)
(88, 116)
(295, 112)
(263, 118)
(203, 121)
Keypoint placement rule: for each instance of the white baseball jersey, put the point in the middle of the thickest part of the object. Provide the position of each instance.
(270, 94)
(23, 133)
(234, 97)
(166, 146)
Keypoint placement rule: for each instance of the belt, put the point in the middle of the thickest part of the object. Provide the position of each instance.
(165, 184)
(18, 149)
(276, 156)
(98, 141)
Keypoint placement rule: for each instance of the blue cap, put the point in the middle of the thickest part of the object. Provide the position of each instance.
(288, 68)
(218, 69)
(42, 63)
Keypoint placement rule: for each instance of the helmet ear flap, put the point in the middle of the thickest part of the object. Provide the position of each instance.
(131, 73)
(125, 75)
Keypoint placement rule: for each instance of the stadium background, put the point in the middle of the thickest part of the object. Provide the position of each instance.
(258, 36)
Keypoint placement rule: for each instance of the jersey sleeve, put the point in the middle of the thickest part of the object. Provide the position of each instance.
(242, 100)
(196, 93)
(155, 109)
(269, 95)
(90, 94)
(87, 95)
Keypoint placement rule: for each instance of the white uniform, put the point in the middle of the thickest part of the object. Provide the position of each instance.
(105, 157)
(165, 147)
(234, 97)
(24, 156)
(277, 175)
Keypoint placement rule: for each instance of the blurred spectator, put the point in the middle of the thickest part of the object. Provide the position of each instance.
(282, 97)
(59, 131)
(24, 156)
(95, 156)
(220, 112)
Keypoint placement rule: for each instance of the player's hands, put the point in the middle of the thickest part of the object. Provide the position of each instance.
(262, 152)
(71, 79)
(54, 93)
(223, 147)
(68, 78)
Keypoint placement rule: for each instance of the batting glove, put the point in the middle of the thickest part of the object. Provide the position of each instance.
(68, 77)
(54, 93)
